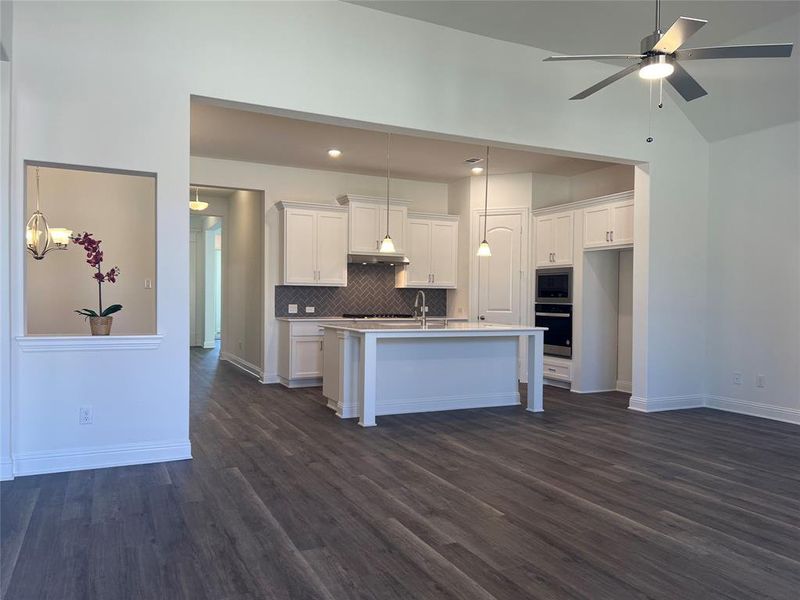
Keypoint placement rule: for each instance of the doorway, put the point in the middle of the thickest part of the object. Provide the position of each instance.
(205, 281)
(226, 291)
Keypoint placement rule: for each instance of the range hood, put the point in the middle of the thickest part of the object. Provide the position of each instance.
(378, 259)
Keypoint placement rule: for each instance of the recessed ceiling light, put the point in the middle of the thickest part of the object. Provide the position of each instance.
(334, 153)
(477, 170)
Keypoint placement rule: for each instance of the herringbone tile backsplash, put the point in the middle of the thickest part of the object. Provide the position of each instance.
(370, 289)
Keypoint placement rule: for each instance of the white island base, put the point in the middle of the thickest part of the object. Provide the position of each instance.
(371, 369)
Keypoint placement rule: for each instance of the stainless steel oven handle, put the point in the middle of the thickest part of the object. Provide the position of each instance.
(557, 315)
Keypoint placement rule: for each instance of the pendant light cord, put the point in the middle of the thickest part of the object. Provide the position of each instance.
(486, 196)
(388, 175)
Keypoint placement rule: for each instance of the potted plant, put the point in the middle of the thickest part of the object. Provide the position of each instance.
(100, 320)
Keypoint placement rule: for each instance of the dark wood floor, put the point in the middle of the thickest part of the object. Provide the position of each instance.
(282, 500)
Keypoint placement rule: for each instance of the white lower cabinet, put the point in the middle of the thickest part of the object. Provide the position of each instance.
(557, 369)
(300, 351)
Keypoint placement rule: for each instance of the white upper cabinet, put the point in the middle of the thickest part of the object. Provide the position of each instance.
(608, 225)
(554, 239)
(314, 244)
(368, 223)
(432, 252)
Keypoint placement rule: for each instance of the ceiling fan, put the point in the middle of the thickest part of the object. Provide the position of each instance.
(660, 53)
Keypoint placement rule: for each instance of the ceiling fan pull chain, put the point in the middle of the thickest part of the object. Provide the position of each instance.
(650, 115)
(660, 93)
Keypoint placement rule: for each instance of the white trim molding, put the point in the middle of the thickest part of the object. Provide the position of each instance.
(6, 470)
(754, 409)
(79, 459)
(580, 204)
(72, 343)
(648, 405)
(241, 363)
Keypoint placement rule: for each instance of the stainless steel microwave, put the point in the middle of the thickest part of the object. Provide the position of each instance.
(554, 286)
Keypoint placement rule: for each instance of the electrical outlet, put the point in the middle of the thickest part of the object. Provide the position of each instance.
(85, 415)
(310, 309)
(761, 381)
(293, 309)
(148, 284)
(737, 378)
(241, 344)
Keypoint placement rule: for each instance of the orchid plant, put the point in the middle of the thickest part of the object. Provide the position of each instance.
(94, 258)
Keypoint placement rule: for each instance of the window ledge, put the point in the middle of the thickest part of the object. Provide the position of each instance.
(72, 343)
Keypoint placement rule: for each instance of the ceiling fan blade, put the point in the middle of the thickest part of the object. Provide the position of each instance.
(685, 84)
(594, 57)
(607, 81)
(676, 36)
(748, 51)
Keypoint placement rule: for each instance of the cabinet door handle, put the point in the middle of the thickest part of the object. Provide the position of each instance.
(612, 235)
(607, 238)
(433, 278)
(320, 345)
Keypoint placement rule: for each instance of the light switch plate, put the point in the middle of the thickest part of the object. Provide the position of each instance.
(148, 284)
(293, 309)
(310, 309)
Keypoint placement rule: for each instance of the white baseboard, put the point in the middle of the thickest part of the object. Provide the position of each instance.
(6, 470)
(666, 403)
(300, 383)
(270, 378)
(597, 391)
(435, 404)
(754, 409)
(79, 459)
(241, 363)
(624, 386)
(559, 383)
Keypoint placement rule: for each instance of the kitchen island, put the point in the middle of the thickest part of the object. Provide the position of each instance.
(372, 369)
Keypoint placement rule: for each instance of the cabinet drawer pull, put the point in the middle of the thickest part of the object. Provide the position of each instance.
(551, 369)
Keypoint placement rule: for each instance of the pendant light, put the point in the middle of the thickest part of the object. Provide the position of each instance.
(39, 237)
(483, 249)
(197, 204)
(387, 245)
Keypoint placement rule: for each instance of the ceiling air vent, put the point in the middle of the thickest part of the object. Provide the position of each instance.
(473, 160)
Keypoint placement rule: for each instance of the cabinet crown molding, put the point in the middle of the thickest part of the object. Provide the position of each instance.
(628, 195)
(283, 204)
(431, 216)
(348, 198)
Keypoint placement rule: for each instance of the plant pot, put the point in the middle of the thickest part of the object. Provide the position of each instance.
(100, 325)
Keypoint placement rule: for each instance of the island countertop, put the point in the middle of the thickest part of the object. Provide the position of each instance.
(435, 326)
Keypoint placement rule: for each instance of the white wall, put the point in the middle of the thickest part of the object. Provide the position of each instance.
(458, 203)
(300, 185)
(754, 273)
(119, 210)
(128, 107)
(6, 469)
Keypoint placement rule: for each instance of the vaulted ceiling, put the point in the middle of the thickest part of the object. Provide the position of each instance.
(744, 95)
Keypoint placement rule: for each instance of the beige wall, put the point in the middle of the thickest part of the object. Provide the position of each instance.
(601, 182)
(243, 278)
(625, 320)
(119, 210)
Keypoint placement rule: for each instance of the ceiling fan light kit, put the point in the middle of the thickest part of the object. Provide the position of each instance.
(661, 52)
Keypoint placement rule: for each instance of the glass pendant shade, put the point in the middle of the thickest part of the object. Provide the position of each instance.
(483, 249)
(197, 204)
(387, 245)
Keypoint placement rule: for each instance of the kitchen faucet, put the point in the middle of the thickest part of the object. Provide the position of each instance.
(423, 308)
